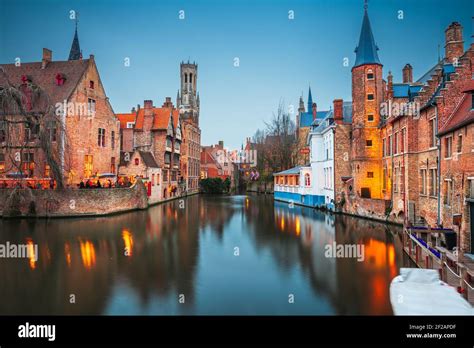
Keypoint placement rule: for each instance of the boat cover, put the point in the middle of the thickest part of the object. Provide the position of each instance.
(420, 292)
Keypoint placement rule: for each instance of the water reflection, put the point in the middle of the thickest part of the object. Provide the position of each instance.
(142, 262)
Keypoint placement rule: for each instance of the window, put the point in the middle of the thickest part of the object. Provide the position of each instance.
(448, 142)
(370, 175)
(52, 129)
(190, 78)
(402, 179)
(448, 190)
(28, 164)
(432, 132)
(365, 192)
(389, 144)
(370, 117)
(101, 137)
(47, 171)
(152, 179)
(130, 124)
(173, 175)
(307, 180)
(423, 182)
(402, 141)
(384, 150)
(3, 132)
(88, 166)
(2, 162)
(370, 76)
(368, 143)
(395, 179)
(91, 107)
(433, 182)
(168, 142)
(137, 161)
(165, 176)
(384, 179)
(297, 180)
(91, 84)
(395, 143)
(459, 147)
(112, 139)
(370, 96)
(112, 165)
(31, 131)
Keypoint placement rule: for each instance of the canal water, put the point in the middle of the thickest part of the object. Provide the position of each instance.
(218, 255)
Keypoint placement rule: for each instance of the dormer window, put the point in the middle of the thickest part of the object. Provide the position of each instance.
(60, 79)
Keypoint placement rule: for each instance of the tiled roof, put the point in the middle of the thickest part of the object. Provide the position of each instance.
(72, 70)
(148, 159)
(306, 119)
(161, 117)
(125, 118)
(461, 116)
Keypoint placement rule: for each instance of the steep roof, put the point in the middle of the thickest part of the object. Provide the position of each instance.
(462, 115)
(161, 118)
(291, 171)
(72, 70)
(75, 52)
(366, 50)
(306, 118)
(148, 159)
(125, 118)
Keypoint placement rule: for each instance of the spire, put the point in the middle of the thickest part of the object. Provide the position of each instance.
(366, 51)
(75, 53)
(310, 99)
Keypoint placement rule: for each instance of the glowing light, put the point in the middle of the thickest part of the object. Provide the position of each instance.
(128, 241)
(298, 226)
(31, 253)
(67, 252)
(282, 223)
(88, 254)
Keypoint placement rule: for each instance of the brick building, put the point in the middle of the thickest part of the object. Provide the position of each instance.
(85, 133)
(188, 104)
(216, 162)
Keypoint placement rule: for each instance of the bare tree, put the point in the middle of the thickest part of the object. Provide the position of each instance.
(28, 121)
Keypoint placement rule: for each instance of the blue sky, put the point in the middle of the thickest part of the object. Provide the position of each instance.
(279, 57)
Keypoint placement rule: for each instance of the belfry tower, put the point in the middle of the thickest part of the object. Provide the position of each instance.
(188, 100)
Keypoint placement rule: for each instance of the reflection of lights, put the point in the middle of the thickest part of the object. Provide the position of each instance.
(67, 252)
(88, 254)
(128, 241)
(282, 223)
(391, 255)
(246, 202)
(176, 215)
(298, 227)
(31, 253)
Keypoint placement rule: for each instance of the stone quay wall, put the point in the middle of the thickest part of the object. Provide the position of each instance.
(26, 202)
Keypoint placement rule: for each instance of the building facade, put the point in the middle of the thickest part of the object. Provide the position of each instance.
(84, 132)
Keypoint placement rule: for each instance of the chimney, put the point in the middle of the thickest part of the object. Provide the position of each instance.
(133, 110)
(221, 144)
(338, 114)
(314, 109)
(168, 103)
(454, 45)
(47, 57)
(148, 104)
(138, 106)
(390, 85)
(407, 74)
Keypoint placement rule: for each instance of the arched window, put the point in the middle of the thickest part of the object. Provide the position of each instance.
(191, 78)
(185, 78)
(307, 180)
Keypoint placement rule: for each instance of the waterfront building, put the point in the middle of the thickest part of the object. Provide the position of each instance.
(188, 104)
(216, 162)
(304, 121)
(143, 165)
(84, 132)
